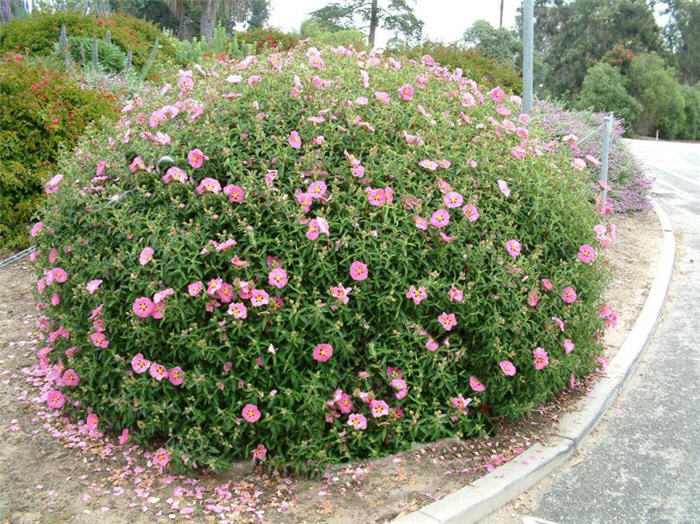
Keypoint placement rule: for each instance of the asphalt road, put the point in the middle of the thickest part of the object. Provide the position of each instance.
(643, 463)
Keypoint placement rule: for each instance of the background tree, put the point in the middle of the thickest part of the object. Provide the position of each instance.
(682, 35)
(575, 35)
(655, 86)
(393, 15)
(500, 44)
(604, 90)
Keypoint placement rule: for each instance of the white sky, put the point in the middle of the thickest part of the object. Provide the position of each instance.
(444, 20)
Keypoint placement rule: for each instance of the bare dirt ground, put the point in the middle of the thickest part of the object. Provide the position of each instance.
(52, 471)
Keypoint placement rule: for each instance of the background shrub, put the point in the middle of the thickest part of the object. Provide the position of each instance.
(37, 34)
(43, 113)
(110, 57)
(475, 65)
(269, 38)
(303, 123)
(691, 100)
(629, 185)
(655, 86)
(320, 35)
(604, 90)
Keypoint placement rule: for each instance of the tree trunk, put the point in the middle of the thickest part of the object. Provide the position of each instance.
(373, 22)
(5, 13)
(208, 20)
(500, 22)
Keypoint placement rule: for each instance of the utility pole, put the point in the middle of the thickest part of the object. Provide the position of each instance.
(500, 22)
(528, 43)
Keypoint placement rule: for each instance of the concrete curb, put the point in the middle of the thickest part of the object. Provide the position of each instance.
(490, 492)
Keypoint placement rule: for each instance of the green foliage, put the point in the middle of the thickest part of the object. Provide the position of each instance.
(573, 35)
(321, 35)
(500, 44)
(691, 98)
(655, 86)
(604, 90)
(110, 57)
(37, 34)
(266, 359)
(43, 113)
(484, 70)
(681, 34)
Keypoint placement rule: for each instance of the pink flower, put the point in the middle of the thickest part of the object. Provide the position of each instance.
(59, 274)
(317, 189)
(161, 457)
(238, 310)
(383, 97)
(124, 437)
(234, 193)
(93, 285)
(251, 413)
(406, 92)
(344, 403)
(357, 421)
(158, 371)
(507, 367)
(99, 340)
(341, 293)
(146, 256)
(421, 223)
(305, 200)
(52, 185)
(518, 152)
(400, 386)
(568, 345)
(196, 158)
(55, 399)
(278, 278)
(428, 164)
(314, 230)
(37, 228)
(586, 254)
(140, 364)
(322, 352)
(497, 94)
(547, 284)
(176, 376)
(376, 197)
(162, 295)
(448, 321)
(559, 322)
(460, 402)
(503, 186)
(70, 378)
(358, 271)
(476, 384)
(440, 218)
(444, 186)
(578, 164)
(195, 288)
(174, 173)
(453, 199)
(143, 307)
(294, 140)
(417, 295)
(259, 298)
(379, 408)
(532, 299)
(455, 294)
(541, 358)
(91, 422)
(470, 212)
(260, 452)
(208, 185)
(569, 295)
(513, 248)
(431, 344)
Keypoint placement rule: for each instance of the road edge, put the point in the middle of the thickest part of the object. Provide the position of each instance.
(488, 493)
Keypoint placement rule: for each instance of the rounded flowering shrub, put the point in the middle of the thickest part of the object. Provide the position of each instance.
(312, 257)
